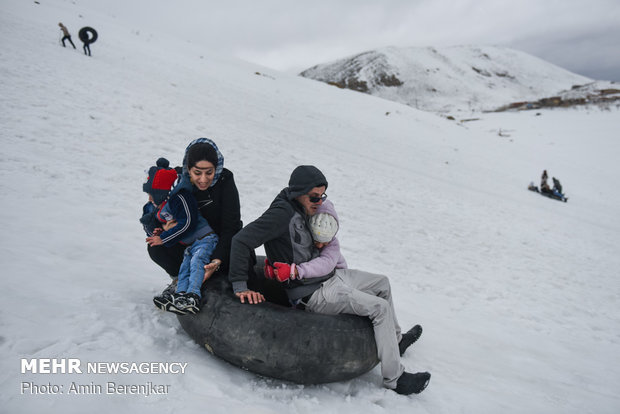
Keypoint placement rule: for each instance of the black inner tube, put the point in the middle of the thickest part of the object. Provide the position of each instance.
(88, 35)
(278, 341)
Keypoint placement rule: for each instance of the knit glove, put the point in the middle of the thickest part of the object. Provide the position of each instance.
(284, 271)
(268, 269)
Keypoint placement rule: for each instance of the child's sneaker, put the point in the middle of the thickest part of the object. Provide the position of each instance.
(178, 304)
(192, 303)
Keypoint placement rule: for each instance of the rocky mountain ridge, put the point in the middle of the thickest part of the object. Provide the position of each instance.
(459, 78)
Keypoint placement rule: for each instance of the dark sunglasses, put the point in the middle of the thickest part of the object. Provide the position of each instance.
(317, 199)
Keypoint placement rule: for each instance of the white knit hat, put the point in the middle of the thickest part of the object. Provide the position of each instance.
(323, 227)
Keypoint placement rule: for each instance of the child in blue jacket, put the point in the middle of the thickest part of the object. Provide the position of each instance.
(172, 217)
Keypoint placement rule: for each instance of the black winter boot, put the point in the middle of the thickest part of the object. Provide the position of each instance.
(412, 383)
(409, 338)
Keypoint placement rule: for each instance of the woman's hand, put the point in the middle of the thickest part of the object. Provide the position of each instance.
(251, 296)
(211, 268)
(154, 241)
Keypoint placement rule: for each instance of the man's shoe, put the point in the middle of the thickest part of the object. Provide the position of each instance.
(409, 338)
(412, 383)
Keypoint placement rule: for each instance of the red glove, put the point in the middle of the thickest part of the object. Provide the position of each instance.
(268, 269)
(284, 271)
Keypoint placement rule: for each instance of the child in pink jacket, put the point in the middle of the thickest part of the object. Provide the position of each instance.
(323, 226)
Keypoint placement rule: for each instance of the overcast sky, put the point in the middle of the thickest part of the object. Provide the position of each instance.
(291, 35)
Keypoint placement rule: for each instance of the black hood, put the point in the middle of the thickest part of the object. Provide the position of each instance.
(303, 179)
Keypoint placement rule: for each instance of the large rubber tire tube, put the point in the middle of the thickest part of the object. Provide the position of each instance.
(281, 342)
(88, 35)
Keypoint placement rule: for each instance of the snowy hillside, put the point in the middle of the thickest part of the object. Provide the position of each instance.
(518, 294)
(460, 78)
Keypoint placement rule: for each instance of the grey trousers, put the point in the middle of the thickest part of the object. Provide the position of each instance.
(365, 294)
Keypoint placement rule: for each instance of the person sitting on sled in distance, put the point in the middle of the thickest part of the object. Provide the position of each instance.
(177, 212)
(284, 230)
(544, 186)
(557, 187)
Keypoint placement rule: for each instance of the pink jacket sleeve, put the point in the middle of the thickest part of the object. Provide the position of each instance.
(329, 259)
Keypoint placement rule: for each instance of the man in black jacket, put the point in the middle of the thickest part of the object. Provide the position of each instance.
(283, 230)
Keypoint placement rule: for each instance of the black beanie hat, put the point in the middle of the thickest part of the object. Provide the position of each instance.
(160, 180)
(303, 179)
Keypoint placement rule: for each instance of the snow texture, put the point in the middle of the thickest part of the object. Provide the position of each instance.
(518, 294)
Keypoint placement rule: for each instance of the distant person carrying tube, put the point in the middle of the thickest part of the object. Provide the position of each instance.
(87, 35)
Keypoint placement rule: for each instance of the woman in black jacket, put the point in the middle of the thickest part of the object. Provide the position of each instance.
(214, 188)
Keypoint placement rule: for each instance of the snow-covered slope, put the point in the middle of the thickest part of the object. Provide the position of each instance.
(459, 78)
(518, 294)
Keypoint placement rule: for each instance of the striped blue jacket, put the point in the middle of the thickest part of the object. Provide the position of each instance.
(191, 225)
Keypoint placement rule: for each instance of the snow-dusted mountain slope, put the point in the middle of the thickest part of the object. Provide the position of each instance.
(518, 294)
(459, 78)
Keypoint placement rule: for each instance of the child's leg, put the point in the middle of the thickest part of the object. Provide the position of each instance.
(201, 252)
(184, 271)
